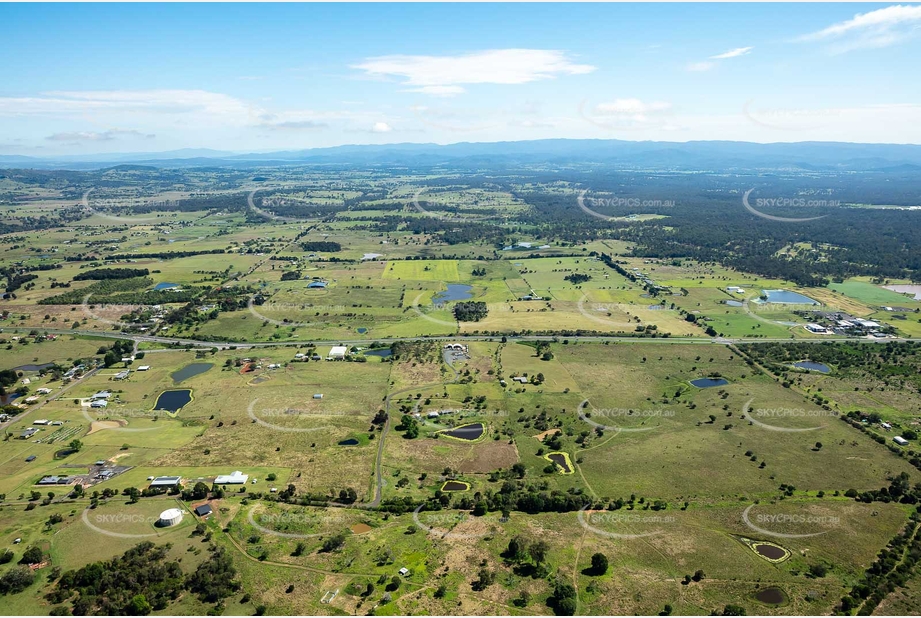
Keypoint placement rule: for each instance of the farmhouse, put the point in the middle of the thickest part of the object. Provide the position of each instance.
(316, 284)
(101, 395)
(28, 433)
(99, 403)
(43, 391)
(337, 352)
(235, 478)
(121, 375)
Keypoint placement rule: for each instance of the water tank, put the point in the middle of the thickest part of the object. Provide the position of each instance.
(170, 517)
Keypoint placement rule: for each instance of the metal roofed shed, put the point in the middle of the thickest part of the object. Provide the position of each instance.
(166, 481)
(203, 510)
(235, 478)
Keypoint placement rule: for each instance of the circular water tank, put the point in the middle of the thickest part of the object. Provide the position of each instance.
(170, 517)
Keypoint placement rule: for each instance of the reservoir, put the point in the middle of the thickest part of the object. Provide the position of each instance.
(914, 290)
(709, 382)
(190, 371)
(385, 353)
(173, 401)
(455, 291)
(466, 432)
(560, 460)
(786, 297)
(165, 286)
(813, 366)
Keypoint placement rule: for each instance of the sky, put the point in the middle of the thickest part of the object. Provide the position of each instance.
(77, 78)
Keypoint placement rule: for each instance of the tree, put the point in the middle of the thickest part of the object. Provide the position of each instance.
(139, 606)
(200, 491)
(333, 543)
(733, 610)
(75, 445)
(32, 555)
(16, 580)
(599, 564)
(538, 551)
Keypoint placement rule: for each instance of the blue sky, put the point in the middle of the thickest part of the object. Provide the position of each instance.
(139, 77)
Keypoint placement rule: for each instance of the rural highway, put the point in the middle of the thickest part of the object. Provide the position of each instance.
(225, 345)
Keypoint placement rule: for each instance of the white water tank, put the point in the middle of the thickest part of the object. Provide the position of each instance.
(170, 517)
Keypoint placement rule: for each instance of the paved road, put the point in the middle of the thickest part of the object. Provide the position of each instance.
(224, 345)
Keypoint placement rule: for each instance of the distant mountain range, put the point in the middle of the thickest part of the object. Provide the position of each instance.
(686, 156)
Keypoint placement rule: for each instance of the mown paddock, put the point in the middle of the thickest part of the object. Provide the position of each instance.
(678, 453)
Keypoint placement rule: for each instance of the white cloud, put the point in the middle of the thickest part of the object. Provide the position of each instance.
(879, 28)
(733, 53)
(446, 75)
(97, 136)
(701, 66)
(631, 107)
(381, 127)
(198, 106)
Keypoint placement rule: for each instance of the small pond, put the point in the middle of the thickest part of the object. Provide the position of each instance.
(709, 382)
(771, 596)
(362, 330)
(466, 432)
(813, 366)
(165, 286)
(455, 486)
(173, 401)
(383, 353)
(348, 442)
(560, 460)
(771, 552)
(786, 297)
(455, 291)
(190, 371)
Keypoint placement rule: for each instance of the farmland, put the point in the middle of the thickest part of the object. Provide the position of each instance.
(396, 449)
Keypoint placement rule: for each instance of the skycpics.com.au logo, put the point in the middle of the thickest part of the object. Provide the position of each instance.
(604, 418)
(785, 202)
(96, 311)
(614, 524)
(587, 205)
(770, 524)
(266, 416)
(259, 311)
(789, 119)
(767, 418)
(115, 218)
(443, 524)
